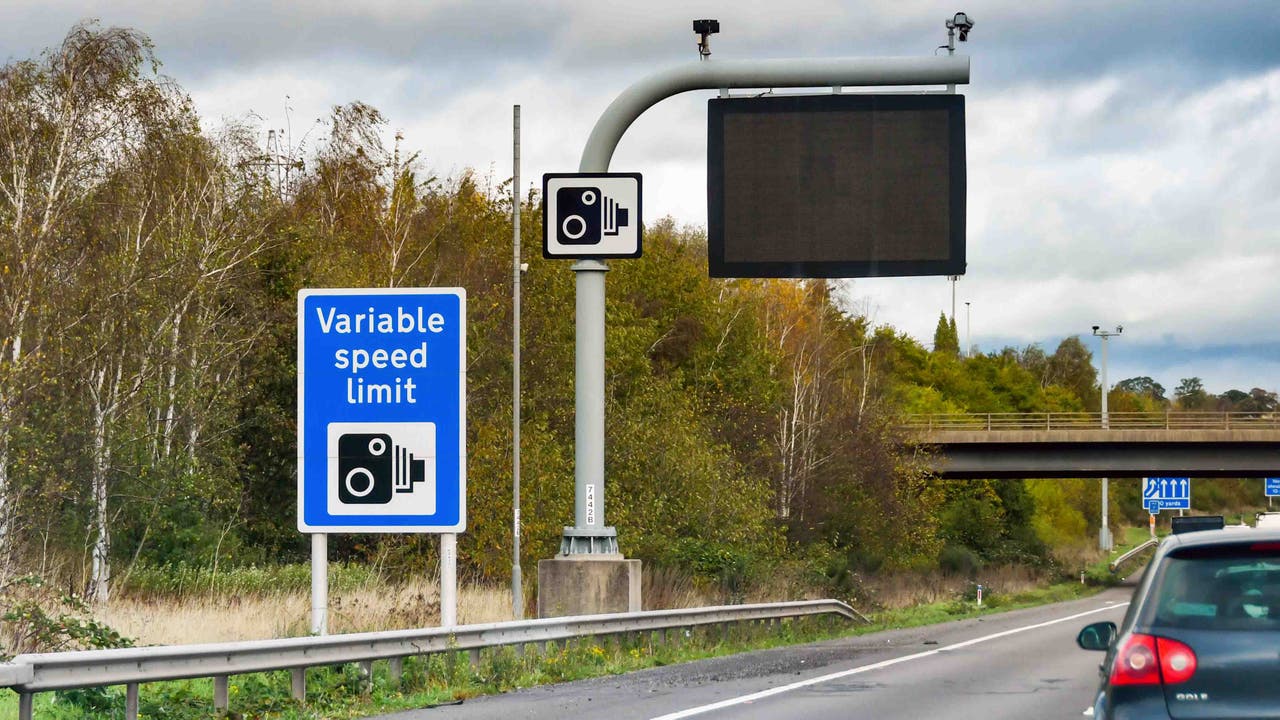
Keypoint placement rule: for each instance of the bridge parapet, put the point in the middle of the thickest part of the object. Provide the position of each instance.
(1025, 445)
(1049, 421)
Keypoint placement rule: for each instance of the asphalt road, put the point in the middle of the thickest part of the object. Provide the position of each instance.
(1018, 664)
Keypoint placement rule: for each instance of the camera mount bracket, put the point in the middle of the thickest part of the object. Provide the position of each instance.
(704, 29)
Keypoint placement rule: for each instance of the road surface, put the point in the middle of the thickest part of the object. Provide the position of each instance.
(1019, 664)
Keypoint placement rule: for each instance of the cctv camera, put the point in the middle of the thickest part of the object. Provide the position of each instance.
(1095, 328)
(706, 27)
(963, 23)
(1119, 329)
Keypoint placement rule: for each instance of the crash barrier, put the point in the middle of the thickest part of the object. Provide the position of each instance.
(33, 673)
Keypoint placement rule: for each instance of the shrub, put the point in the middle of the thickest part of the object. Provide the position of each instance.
(960, 560)
(35, 618)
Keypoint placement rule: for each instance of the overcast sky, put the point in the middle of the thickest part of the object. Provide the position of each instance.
(1123, 157)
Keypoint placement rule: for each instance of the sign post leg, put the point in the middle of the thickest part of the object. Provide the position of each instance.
(319, 584)
(448, 580)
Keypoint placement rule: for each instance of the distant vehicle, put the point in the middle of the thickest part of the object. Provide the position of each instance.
(1201, 638)
(1268, 520)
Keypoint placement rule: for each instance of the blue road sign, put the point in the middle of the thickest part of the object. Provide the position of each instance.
(1166, 493)
(382, 410)
(1271, 487)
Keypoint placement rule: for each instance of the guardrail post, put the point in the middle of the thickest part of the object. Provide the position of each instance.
(366, 676)
(988, 422)
(131, 701)
(298, 684)
(474, 655)
(220, 702)
(25, 700)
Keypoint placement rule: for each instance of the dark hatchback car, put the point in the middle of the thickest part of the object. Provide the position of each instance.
(1201, 638)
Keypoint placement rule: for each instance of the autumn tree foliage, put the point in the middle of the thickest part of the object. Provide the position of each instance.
(148, 278)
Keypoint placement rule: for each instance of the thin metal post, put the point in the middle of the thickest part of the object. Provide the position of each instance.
(517, 589)
(968, 332)
(366, 676)
(1104, 532)
(448, 580)
(319, 584)
(953, 279)
(220, 702)
(25, 705)
(298, 684)
(131, 701)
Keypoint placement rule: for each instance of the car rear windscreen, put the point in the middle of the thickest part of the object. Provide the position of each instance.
(1222, 587)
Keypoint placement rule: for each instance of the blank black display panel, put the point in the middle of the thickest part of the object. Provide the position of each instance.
(836, 186)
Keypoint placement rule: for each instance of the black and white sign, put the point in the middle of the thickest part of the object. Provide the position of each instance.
(591, 215)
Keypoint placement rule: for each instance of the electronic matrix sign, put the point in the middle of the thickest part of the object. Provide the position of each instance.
(836, 185)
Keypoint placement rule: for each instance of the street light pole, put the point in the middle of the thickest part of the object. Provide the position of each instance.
(517, 580)
(1104, 532)
(953, 279)
(968, 328)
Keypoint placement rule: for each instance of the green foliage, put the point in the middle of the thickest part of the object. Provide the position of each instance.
(36, 618)
(960, 560)
(731, 568)
(149, 414)
(945, 338)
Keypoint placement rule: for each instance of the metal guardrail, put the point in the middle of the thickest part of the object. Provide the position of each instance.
(1115, 564)
(32, 673)
(1093, 421)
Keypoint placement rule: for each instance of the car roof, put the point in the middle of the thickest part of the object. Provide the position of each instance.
(1224, 536)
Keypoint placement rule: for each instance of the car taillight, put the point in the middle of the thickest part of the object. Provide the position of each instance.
(1177, 661)
(1145, 660)
(1135, 662)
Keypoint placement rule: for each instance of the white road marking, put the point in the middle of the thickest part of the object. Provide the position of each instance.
(874, 666)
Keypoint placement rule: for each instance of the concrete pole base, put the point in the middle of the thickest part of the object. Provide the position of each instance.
(588, 585)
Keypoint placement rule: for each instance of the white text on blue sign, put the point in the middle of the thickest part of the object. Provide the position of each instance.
(355, 359)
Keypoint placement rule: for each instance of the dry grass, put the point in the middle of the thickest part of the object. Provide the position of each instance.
(902, 590)
(219, 618)
(667, 588)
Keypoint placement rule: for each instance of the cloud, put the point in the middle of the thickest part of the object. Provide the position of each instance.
(1123, 158)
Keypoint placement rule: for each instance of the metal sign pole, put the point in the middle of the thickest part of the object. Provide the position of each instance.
(319, 584)
(448, 580)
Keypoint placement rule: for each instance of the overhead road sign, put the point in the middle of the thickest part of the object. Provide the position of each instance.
(1166, 493)
(591, 215)
(382, 410)
(836, 185)
(1271, 486)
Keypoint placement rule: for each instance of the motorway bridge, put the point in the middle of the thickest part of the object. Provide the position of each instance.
(1125, 444)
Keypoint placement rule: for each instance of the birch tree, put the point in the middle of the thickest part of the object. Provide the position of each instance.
(59, 118)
